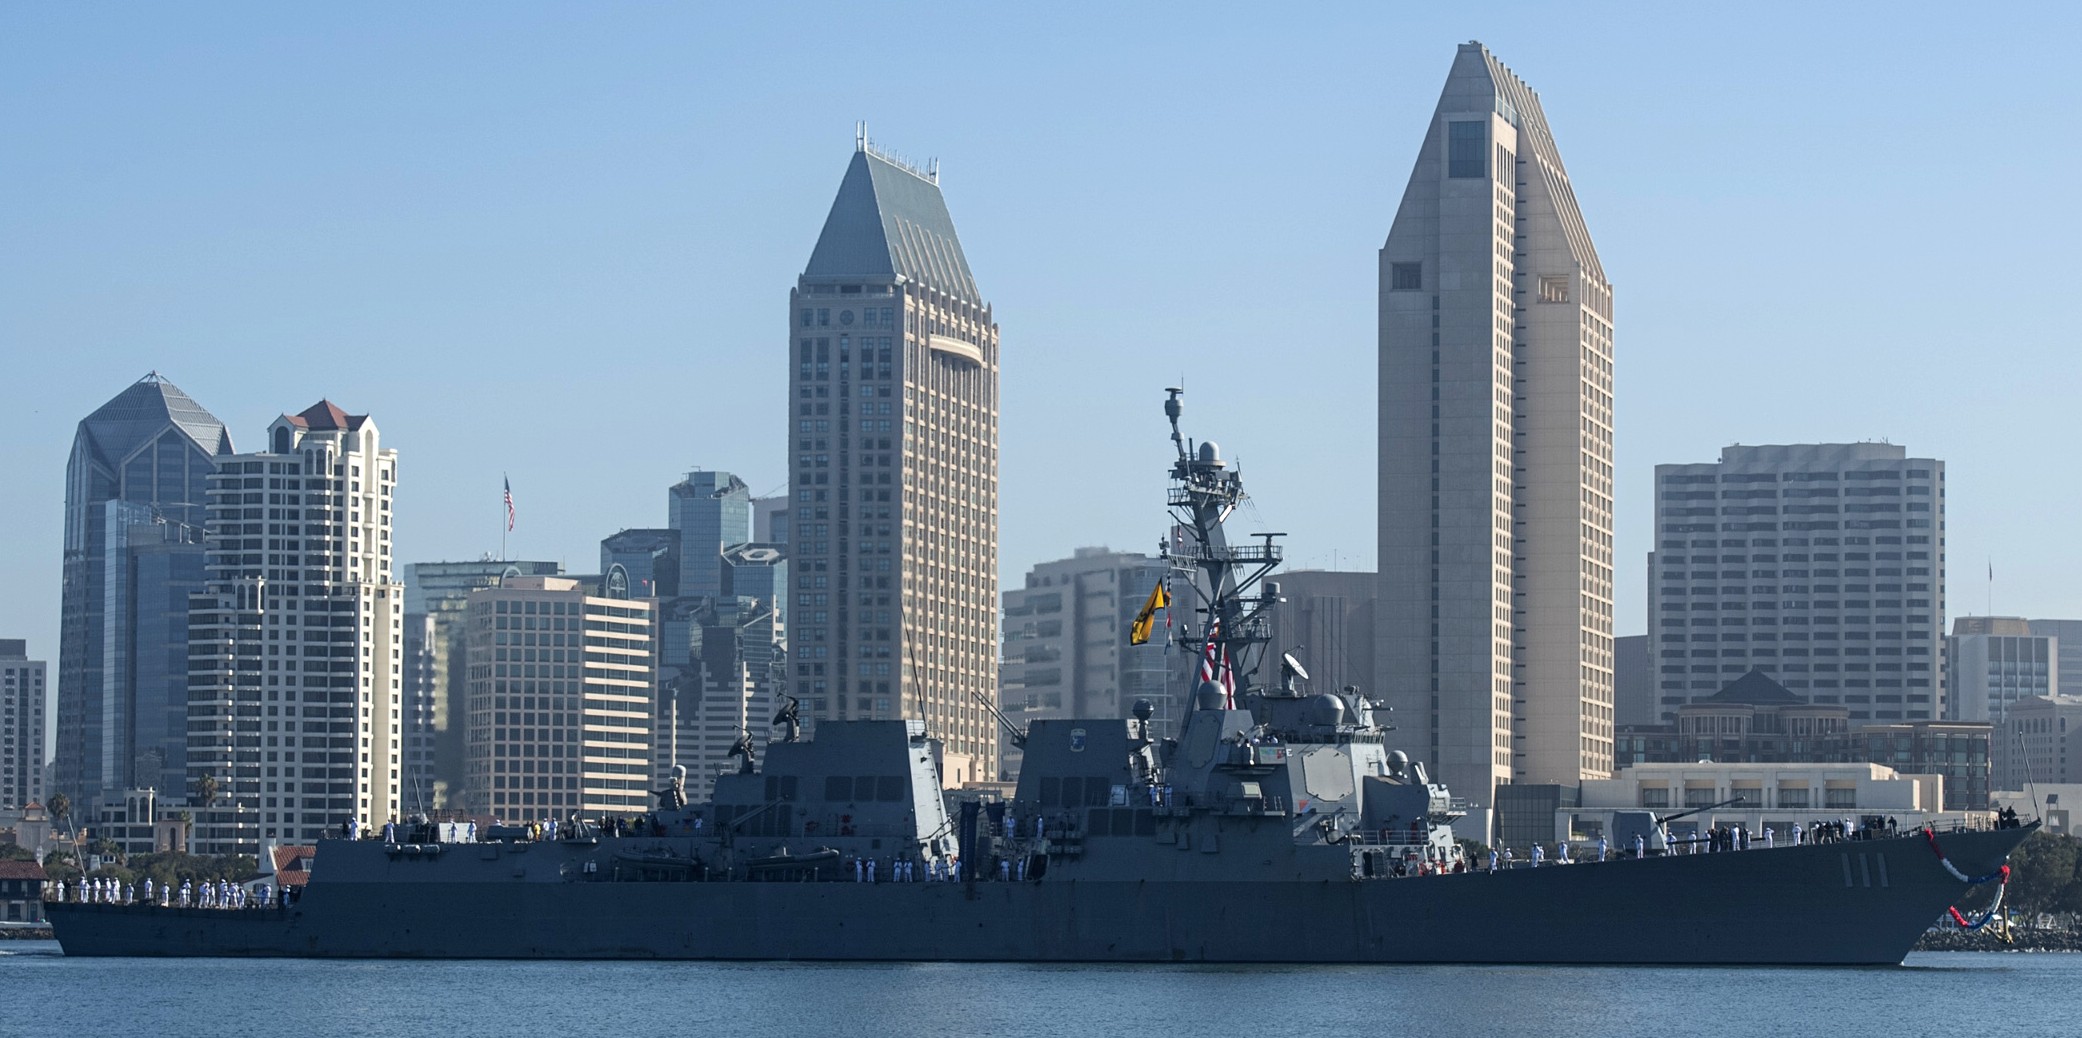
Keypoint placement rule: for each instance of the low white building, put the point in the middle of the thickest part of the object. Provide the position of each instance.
(1776, 796)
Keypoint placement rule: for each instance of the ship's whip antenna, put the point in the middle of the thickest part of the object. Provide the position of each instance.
(1172, 410)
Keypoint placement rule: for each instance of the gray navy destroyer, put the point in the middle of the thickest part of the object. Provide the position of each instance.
(1273, 826)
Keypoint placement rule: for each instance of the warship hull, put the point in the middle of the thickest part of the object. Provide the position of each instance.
(1843, 904)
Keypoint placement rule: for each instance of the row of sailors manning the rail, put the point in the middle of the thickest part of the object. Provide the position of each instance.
(103, 890)
(1719, 838)
(932, 870)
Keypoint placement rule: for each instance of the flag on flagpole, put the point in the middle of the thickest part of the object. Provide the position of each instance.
(509, 504)
(1138, 633)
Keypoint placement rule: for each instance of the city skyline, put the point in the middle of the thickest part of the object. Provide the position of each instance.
(1692, 387)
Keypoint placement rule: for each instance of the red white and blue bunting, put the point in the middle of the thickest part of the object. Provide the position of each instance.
(2001, 876)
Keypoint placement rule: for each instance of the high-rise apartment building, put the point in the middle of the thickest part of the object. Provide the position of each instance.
(296, 681)
(22, 726)
(436, 671)
(893, 430)
(1821, 565)
(559, 701)
(1066, 642)
(1992, 662)
(134, 499)
(1495, 642)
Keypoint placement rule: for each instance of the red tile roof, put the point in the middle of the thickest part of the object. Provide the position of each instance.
(22, 870)
(294, 857)
(326, 415)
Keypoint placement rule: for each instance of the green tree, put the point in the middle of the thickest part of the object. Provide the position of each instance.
(60, 806)
(106, 848)
(2043, 876)
(16, 852)
(61, 866)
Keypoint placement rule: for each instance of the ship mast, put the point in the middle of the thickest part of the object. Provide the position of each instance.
(1232, 597)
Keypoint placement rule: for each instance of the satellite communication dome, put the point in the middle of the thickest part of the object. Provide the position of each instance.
(1326, 709)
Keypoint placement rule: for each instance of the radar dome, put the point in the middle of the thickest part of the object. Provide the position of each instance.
(1144, 709)
(1208, 696)
(1326, 709)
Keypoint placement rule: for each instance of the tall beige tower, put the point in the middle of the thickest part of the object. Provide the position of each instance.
(1495, 637)
(893, 429)
(296, 657)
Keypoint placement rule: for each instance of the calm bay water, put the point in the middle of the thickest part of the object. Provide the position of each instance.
(1966, 994)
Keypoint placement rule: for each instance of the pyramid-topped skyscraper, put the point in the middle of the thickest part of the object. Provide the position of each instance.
(893, 436)
(135, 488)
(1495, 644)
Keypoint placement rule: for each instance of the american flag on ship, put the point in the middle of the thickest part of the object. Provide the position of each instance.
(1214, 664)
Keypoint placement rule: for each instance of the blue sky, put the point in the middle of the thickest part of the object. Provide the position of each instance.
(556, 241)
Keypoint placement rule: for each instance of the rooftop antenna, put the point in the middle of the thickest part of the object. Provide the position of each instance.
(860, 142)
(932, 169)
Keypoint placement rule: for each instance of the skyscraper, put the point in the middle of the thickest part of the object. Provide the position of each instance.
(134, 496)
(893, 425)
(1820, 564)
(1495, 637)
(295, 693)
(22, 728)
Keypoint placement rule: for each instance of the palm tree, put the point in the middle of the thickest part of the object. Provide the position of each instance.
(60, 806)
(206, 790)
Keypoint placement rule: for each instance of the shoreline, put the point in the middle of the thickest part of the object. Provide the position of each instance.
(2021, 941)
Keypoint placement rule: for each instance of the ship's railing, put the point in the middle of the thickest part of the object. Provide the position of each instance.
(1239, 554)
(1395, 837)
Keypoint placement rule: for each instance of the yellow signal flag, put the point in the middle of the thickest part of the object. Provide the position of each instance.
(1138, 634)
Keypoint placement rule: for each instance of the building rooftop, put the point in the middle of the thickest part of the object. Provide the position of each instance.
(890, 222)
(22, 870)
(1752, 689)
(138, 413)
(326, 415)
